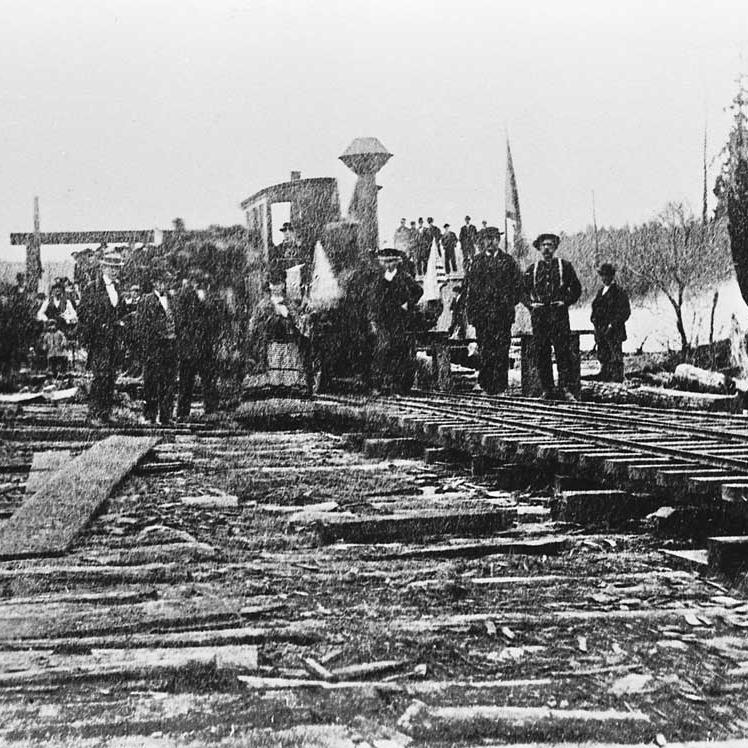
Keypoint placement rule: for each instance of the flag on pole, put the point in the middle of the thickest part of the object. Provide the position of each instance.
(515, 244)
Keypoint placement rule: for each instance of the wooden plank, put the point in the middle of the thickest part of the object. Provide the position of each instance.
(728, 553)
(43, 464)
(49, 521)
(414, 526)
(297, 633)
(40, 666)
(448, 723)
(536, 547)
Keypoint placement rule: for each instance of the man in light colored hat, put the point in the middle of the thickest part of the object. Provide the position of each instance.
(550, 287)
(100, 328)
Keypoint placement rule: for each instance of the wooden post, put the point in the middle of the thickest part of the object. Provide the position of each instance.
(34, 255)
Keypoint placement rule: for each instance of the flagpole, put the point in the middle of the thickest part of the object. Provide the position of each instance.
(594, 226)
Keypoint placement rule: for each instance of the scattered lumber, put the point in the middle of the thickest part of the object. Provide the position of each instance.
(533, 547)
(44, 577)
(158, 554)
(696, 559)
(555, 617)
(394, 447)
(414, 526)
(28, 668)
(656, 397)
(728, 553)
(317, 669)
(429, 723)
(296, 633)
(48, 522)
(695, 379)
(368, 669)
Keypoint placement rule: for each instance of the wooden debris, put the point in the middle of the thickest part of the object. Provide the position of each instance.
(49, 521)
(379, 529)
(534, 547)
(297, 633)
(45, 667)
(318, 670)
(368, 669)
(212, 501)
(396, 447)
(728, 553)
(429, 723)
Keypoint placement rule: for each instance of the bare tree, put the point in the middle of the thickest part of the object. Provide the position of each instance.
(679, 256)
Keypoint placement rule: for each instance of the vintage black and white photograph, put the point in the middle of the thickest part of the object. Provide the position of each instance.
(374, 374)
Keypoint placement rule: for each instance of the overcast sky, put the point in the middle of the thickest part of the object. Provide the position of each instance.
(125, 114)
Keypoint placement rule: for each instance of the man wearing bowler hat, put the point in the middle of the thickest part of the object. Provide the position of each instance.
(494, 289)
(100, 328)
(610, 310)
(393, 296)
(550, 287)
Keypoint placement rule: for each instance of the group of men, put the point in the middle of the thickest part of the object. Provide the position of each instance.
(547, 288)
(415, 242)
(176, 329)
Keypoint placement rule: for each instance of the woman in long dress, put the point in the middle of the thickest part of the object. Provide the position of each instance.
(277, 342)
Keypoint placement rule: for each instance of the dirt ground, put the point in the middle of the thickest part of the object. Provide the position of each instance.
(595, 637)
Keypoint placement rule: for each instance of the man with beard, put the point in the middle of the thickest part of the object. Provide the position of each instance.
(494, 289)
(550, 287)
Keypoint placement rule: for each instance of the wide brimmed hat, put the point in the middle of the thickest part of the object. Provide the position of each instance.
(606, 269)
(113, 260)
(287, 227)
(555, 238)
(388, 253)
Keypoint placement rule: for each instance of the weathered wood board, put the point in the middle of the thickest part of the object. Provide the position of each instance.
(48, 521)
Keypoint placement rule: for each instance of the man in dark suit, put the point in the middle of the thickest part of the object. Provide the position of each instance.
(449, 242)
(550, 287)
(392, 299)
(434, 234)
(468, 242)
(199, 319)
(610, 310)
(100, 328)
(494, 289)
(156, 326)
(423, 247)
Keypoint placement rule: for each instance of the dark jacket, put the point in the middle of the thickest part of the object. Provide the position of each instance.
(494, 287)
(153, 326)
(611, 309)
(449, 240)
(99, 321)
(198, 323)
(546, 283)
(433, 232)
(386, 301)
(468, 238)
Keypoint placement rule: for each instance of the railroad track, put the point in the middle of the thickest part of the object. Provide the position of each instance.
(173, 621)
(696, 454)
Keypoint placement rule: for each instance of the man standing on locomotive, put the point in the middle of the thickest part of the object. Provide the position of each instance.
(550, 287)
(392, 299)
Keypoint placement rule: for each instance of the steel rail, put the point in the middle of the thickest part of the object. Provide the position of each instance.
(452, 407)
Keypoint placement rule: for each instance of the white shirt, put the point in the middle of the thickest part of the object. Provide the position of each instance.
(111, 290)
(605, 289)
(279, 302)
